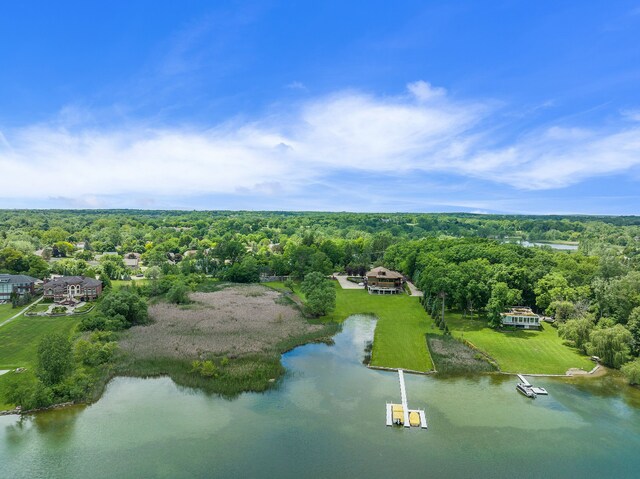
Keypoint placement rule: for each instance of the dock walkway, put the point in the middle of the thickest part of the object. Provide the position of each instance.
(409, 417)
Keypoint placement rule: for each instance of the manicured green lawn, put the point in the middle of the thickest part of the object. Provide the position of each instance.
(40, 308)
(6, 311)
(19, 338)
(399, 340)
(541, 352)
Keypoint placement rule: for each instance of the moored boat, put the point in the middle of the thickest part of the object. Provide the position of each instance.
(527, 391)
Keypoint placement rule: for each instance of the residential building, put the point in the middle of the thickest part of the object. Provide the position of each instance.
(19, 284)
(132, 260)
(72, 288)
(384, 281)
(521, 317)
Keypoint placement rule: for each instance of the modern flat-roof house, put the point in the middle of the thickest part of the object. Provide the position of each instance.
(15, 283)
(521, 317)
(381, 280)
(72, 288)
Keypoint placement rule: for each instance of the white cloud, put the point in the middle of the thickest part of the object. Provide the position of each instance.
(424, 91)
(280, 155)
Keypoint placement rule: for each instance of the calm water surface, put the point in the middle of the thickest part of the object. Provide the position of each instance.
(327, 420)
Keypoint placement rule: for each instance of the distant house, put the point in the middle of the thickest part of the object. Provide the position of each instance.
(72, 287)
(132, 260)
(384, 281)
(19, 284)
(521, 317)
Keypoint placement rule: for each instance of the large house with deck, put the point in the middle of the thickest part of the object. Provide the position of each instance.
(381, 280)
(521, 317)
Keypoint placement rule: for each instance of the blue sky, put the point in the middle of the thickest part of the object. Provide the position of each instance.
(502, 106)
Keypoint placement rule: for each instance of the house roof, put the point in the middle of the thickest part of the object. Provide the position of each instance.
(63, 281)
(16, 278)
(382, 272)
(520, 311)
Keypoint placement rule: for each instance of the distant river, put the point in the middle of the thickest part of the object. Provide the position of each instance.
(327, 420)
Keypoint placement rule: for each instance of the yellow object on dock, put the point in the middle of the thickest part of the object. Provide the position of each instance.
(398, 413)
(414, 418)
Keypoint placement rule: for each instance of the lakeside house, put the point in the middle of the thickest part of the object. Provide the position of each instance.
(521, 317)
(381, 280)
(19, 284)
(72, 288)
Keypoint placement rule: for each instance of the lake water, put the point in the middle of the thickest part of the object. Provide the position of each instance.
(560, 246)
(326, 419)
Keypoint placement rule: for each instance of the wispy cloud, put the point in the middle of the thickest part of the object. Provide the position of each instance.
(297, 85)
(279, 155)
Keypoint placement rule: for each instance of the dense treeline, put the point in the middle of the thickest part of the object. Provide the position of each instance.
(281, 243)
(470, 259)
(594, 299)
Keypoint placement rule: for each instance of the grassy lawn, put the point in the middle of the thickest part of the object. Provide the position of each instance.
(40, 308)
(399, 340)
(6, 311)
(19, 338)
(541, 352)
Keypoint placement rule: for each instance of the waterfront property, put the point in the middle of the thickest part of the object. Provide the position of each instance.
(521, 317)
(18, 284)
(542, 351)
(381, 280)
(72, 288)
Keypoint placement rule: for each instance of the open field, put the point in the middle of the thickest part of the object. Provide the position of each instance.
(541, 352)
(399, 340)
(236, 321)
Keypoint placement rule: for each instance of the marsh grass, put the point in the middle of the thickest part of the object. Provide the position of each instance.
(242, 329)
(451, 356)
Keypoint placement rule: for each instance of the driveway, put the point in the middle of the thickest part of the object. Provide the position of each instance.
(414, 291)
(345, 283)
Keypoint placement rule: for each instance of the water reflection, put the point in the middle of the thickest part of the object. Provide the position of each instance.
(326, 418)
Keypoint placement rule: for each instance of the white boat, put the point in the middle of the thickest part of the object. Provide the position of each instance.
(527, 391)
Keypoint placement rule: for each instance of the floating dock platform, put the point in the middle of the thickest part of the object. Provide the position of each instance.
(400, 414)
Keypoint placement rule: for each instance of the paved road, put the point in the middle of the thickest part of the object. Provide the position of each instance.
(18, 314)
(345, 283)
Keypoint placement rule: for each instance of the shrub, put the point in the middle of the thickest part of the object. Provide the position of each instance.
(178, 294)
(207, 369)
